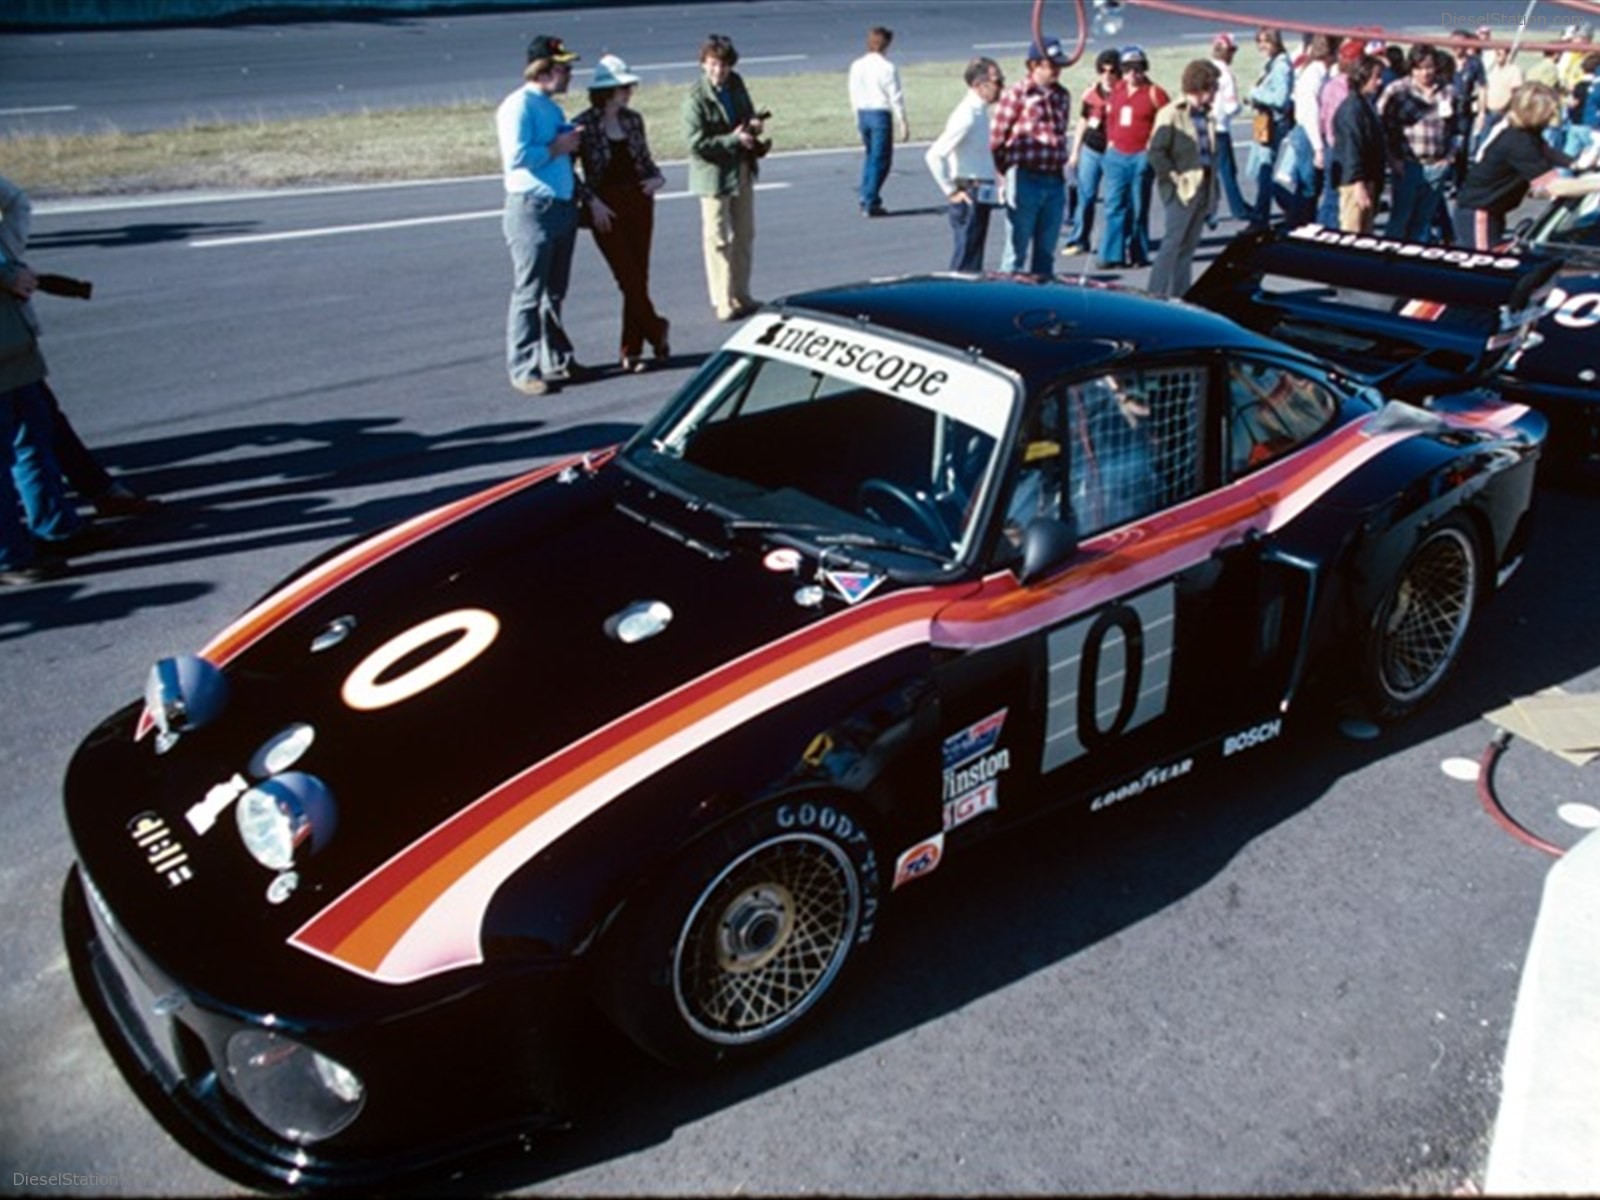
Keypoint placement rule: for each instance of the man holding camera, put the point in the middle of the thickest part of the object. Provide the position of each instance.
(723, 132)
(541, 218)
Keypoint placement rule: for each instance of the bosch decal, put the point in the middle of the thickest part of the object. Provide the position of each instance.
(1248, 739)
(977, 738)
(922, 859)
(981, 799)
(1153, 778)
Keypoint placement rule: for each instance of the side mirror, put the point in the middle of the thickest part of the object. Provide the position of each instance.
(1046, 545)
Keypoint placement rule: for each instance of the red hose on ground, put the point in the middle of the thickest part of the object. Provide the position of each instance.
(1491, 802)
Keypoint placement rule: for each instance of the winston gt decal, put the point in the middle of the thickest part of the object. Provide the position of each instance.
(981, 799)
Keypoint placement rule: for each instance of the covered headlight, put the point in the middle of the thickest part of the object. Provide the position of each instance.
(183, 694)
(280, 815)
(298, 1093)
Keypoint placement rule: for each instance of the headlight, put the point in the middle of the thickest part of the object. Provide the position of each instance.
(183, 694)
(293, 1090)
(281, 814)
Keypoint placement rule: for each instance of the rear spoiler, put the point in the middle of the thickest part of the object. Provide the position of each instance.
(1427, 317)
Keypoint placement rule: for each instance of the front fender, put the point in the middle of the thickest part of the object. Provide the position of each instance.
(848, 738)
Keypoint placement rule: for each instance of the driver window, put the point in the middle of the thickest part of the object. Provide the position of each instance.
(1110, 449)
(1271, 412)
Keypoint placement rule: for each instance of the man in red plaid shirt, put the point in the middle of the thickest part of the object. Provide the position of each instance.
(1028, 132)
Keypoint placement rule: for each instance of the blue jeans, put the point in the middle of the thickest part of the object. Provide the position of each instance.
(969, 230)
(1228, 176)
(1091, 166)
(541, 233)
(1328, 202)
(1259, 168)
(1037, 209)
(1128, 184)
(1418, 191)
(29, 473)
(877, 137)
(1298, 198)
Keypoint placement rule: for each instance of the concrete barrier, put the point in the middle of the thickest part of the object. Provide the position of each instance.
(1547, 1135)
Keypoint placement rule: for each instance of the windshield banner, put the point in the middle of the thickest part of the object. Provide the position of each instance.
(978, 397)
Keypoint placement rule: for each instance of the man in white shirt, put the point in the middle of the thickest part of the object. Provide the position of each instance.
(963, 167)
(1225, 108)
(877, 99)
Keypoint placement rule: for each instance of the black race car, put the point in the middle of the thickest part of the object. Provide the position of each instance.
(1558, 371)
(666, 728)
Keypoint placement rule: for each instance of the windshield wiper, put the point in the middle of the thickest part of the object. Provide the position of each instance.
(825, 535)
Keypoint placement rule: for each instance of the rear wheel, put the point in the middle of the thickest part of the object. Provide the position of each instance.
(1420, 626)
(750, 931)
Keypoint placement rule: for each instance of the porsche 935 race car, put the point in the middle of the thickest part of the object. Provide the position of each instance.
(1553, 370)
(1558, 370)
(667, 727)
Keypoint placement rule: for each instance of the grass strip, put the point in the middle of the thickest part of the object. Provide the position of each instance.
(810, 111)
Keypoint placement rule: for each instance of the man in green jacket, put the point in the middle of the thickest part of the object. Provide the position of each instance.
(723, 133)
(1183, 158)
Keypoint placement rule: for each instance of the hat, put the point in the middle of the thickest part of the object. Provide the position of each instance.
(1225, 39)
(1350, 51)
(611, 72)
(553, 48)
(1484, 32)
(1376, 46)
(1107, 58)
(1134, 54)
(1048, 51)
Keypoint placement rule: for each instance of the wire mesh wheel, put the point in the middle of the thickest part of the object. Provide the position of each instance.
(766, 938)
(1426, 619)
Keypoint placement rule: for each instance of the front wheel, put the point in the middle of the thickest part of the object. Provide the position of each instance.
(1416, 637)
(748, 933)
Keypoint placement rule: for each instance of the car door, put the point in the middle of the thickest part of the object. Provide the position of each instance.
(1170, 627)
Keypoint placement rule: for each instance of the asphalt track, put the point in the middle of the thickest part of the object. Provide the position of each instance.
(1294, 976)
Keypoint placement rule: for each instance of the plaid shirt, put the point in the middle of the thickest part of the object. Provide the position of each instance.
(1415, 126)
(1029, 128)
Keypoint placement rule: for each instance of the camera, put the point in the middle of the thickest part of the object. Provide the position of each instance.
(763, 145)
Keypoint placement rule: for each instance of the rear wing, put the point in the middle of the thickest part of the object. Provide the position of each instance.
(1408, 317)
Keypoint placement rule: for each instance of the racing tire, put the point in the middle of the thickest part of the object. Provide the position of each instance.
(750, 930)
(1421, 624)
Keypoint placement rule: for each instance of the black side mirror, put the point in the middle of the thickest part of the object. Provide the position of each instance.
(1046, 544)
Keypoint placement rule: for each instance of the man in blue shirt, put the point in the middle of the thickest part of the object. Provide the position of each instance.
(537, 145)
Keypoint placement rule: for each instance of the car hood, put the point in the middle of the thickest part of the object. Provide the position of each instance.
(469, 697)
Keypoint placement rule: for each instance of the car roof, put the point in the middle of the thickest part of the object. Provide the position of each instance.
(1039, 328)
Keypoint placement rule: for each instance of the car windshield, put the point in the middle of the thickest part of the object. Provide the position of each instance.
(1575, 224)
(836, 436)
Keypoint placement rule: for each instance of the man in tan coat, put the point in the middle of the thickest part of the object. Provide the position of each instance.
(1183, 159)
